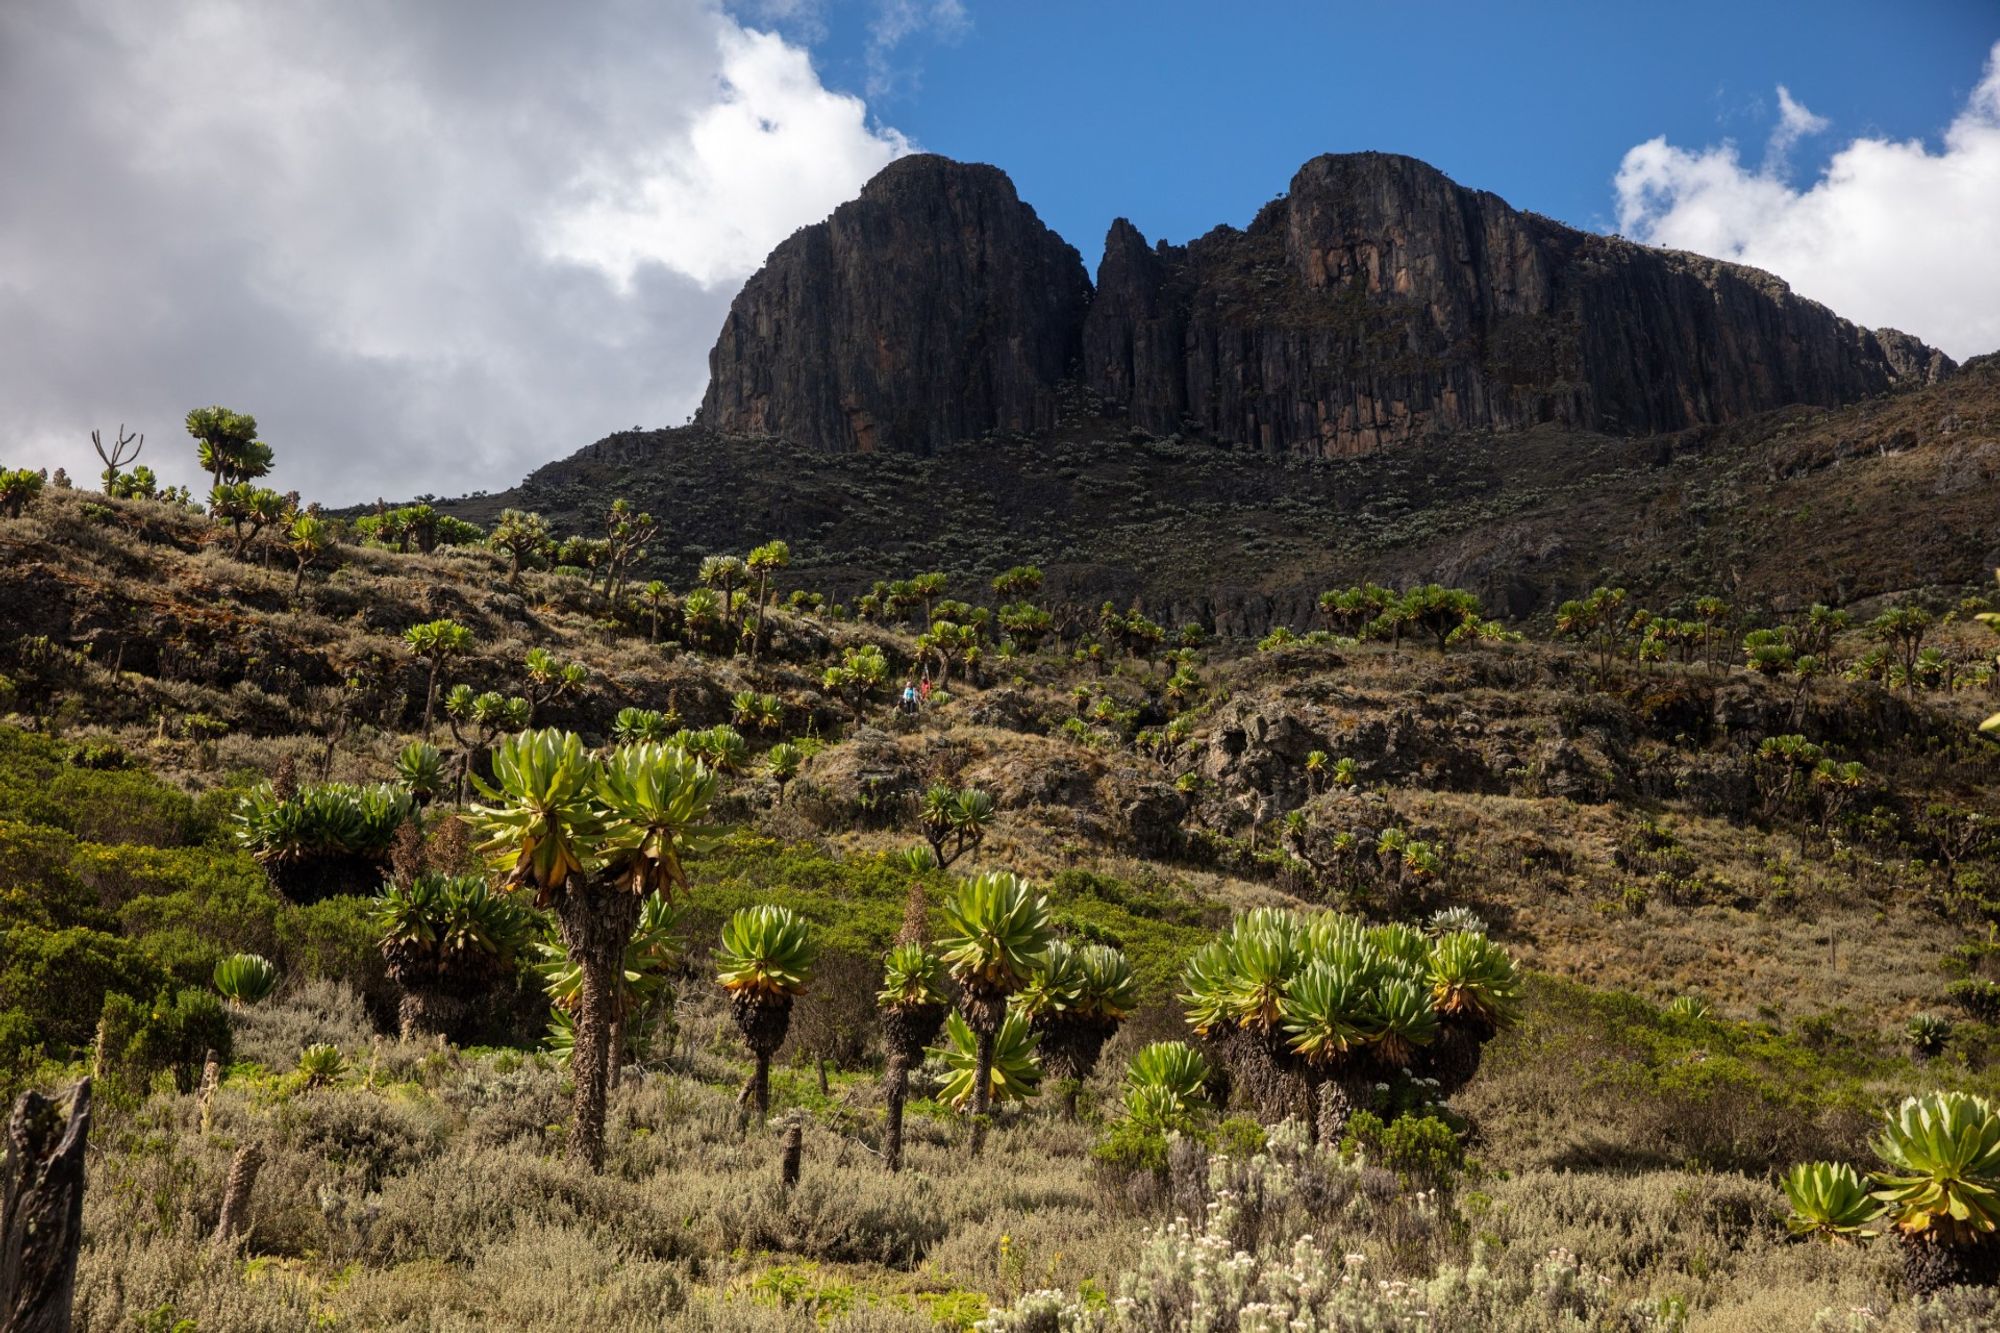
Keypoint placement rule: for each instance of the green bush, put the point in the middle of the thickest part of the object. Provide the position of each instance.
(1240, 1137)
(59, 978)
(1981, 999)
(37, 886)
(1130, 1146)
(173, 1033)
(1421, 1149)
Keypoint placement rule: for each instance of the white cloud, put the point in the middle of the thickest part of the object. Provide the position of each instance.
(1890, 234)
(429, 246)
(1795, 122)
(774, 145)
(895, 22)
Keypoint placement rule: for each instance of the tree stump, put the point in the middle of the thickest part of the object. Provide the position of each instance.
(794, 1149)
(41, 1212)
(211, 1079)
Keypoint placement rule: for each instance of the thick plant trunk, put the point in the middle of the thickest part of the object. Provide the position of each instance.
(982, 1090)
(763, 1023)
(425, 1011)
(596, 926)
(760, 1088)
(430, 700)
(616, 1046)
(1332, 1106)
(898, 1081)
(906, 1031)
(1930, 1266)
(41, 1211)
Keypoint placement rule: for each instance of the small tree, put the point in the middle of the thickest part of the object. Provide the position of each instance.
(765, 962)
(17, 487)
(434, 641)
(1020, 582)
(1026, 624)
(655, 593)
(860, 673)
(116, 455)
(1903, 629)
(1441, 612)
(722, 573)
(247, 509)
(1600, 622)
(953, 822)
(1713, 614)
(764, 561)
(592, 838)
(782, 762)
(525, 537)
(549, 680)
(447, 942)
(1075, 1000)
(912, 1008)
(309, 539)
(476, 719)
(227, 445)
(926, 589)
(997, 929)
(625, 536)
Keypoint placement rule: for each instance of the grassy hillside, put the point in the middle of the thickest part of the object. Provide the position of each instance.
(1620, 827)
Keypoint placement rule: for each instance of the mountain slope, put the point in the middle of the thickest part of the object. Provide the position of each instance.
(1782, 508)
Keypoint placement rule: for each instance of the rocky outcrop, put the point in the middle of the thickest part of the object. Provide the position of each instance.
(1375, 302)
(1378, 300)
(935, 307)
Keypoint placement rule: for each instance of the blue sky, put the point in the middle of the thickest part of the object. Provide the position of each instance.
(1182, 115)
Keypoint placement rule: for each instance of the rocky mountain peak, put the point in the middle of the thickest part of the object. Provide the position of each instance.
(1376, 301)
(934, 307)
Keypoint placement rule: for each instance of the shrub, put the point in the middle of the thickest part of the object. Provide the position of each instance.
(1979, 998)
(336, 939)
(368, 1134)
(174, 1033)
(838, 1216)
(59, 978)
(1132, 1144)
(319, 1011)
(1422, 1149)
(454, 1205)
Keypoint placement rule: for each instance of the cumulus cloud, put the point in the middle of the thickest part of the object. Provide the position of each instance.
(429, 246)
(1890, 234)
(703, 203)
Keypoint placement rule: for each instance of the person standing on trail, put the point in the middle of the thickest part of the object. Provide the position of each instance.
(924, 689)
(909, 696)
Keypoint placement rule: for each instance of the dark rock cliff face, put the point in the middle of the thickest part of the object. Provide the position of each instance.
(1378, 300)
(935, 307)
(1375, 302)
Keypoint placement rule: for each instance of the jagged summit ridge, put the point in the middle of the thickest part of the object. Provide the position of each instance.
(1376, 301)
(933, 307)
